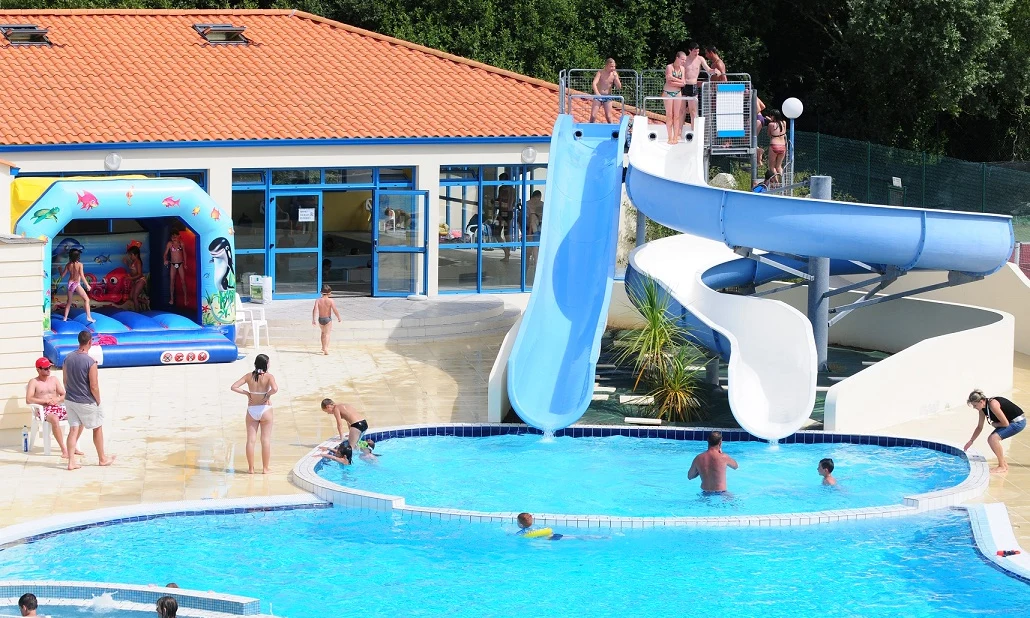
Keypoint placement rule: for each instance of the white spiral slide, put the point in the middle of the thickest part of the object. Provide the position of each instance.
(768, 344)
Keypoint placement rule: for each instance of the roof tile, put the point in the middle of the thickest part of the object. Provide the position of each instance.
(145, 76)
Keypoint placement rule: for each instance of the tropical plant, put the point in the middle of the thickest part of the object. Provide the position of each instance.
(647, 347)
(678, 392)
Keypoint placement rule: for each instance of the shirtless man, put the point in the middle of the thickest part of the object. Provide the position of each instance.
(712, 54)
(346, 412)
(691, 70)
(603, 82)
(711, 465)
(175, 259)
(47, 391)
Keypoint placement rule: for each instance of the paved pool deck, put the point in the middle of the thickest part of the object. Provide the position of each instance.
(178, 432)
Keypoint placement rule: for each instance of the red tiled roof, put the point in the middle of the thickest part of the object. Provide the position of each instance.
(115, 76)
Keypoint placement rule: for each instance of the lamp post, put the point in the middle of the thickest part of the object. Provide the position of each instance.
(792, 109)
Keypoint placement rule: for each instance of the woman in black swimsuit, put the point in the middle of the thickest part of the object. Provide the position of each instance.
(1006, 418)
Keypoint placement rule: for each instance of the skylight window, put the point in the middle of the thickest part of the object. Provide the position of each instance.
(24, 34)
(222, 34)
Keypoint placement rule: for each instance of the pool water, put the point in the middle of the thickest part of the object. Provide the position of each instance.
(330, 562)
(640, 477)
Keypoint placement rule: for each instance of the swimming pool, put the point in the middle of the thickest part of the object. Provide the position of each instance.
(622, 476)
(325, 562)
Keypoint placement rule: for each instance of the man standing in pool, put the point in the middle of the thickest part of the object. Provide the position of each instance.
(711, 465)
(346, 412)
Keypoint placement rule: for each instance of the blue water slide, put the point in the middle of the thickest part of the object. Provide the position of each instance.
(552, 363)
(908, 238)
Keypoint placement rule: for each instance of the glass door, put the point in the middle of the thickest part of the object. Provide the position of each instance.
(296, 250)
(399, 239)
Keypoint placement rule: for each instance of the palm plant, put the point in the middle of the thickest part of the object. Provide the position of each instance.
(647, 347)
(678, 391)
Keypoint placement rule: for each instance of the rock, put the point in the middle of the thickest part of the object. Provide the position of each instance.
(724, 181)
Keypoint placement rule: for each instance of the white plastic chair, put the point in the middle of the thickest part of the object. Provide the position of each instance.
(255, 318)
(40, 425)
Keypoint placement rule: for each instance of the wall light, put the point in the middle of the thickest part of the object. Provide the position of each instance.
(112, 162)
(528, 154)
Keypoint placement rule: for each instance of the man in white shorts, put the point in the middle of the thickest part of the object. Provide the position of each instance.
(82, 399)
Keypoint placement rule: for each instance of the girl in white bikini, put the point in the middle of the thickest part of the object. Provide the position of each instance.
(260, 388)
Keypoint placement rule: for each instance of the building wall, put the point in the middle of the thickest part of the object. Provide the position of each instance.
(220, 162)
(21, 329)
(932, 368)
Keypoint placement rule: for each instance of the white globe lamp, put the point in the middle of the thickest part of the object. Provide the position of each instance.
(793, 108)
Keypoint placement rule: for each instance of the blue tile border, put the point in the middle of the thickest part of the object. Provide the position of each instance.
(162, 515)
(305, 475)
(141, 598)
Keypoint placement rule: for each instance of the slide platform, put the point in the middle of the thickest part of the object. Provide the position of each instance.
(553, 360)
(769, 345)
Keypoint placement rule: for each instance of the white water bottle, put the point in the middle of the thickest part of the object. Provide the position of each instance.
(24, 439)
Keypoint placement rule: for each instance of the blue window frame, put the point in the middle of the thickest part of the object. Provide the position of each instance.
(485, 239)
(293, 184)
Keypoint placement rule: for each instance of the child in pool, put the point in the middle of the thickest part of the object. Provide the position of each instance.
(345, 455)
(826, 471)
(526, 526)
(342, 454)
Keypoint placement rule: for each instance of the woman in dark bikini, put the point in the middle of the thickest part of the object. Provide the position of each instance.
(674, 103)
(324, 310)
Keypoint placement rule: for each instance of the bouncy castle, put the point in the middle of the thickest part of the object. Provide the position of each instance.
(156, 255)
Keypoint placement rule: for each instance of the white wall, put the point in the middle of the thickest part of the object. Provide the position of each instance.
(220, 161)
(1007, 290)
(21, 329)
(941, 352)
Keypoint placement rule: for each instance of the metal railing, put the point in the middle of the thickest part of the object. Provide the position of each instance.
(643, 92)
(581, 82)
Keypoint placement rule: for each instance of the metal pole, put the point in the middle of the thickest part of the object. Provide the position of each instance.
(819, 268)
(790, 161)
(712, 371)
(641, 227)
(754, 138)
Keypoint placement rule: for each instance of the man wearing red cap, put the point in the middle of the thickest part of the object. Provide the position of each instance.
(47, 391)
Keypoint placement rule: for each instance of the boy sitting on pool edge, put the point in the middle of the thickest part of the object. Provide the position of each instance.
(526, 529)
(826, 471)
